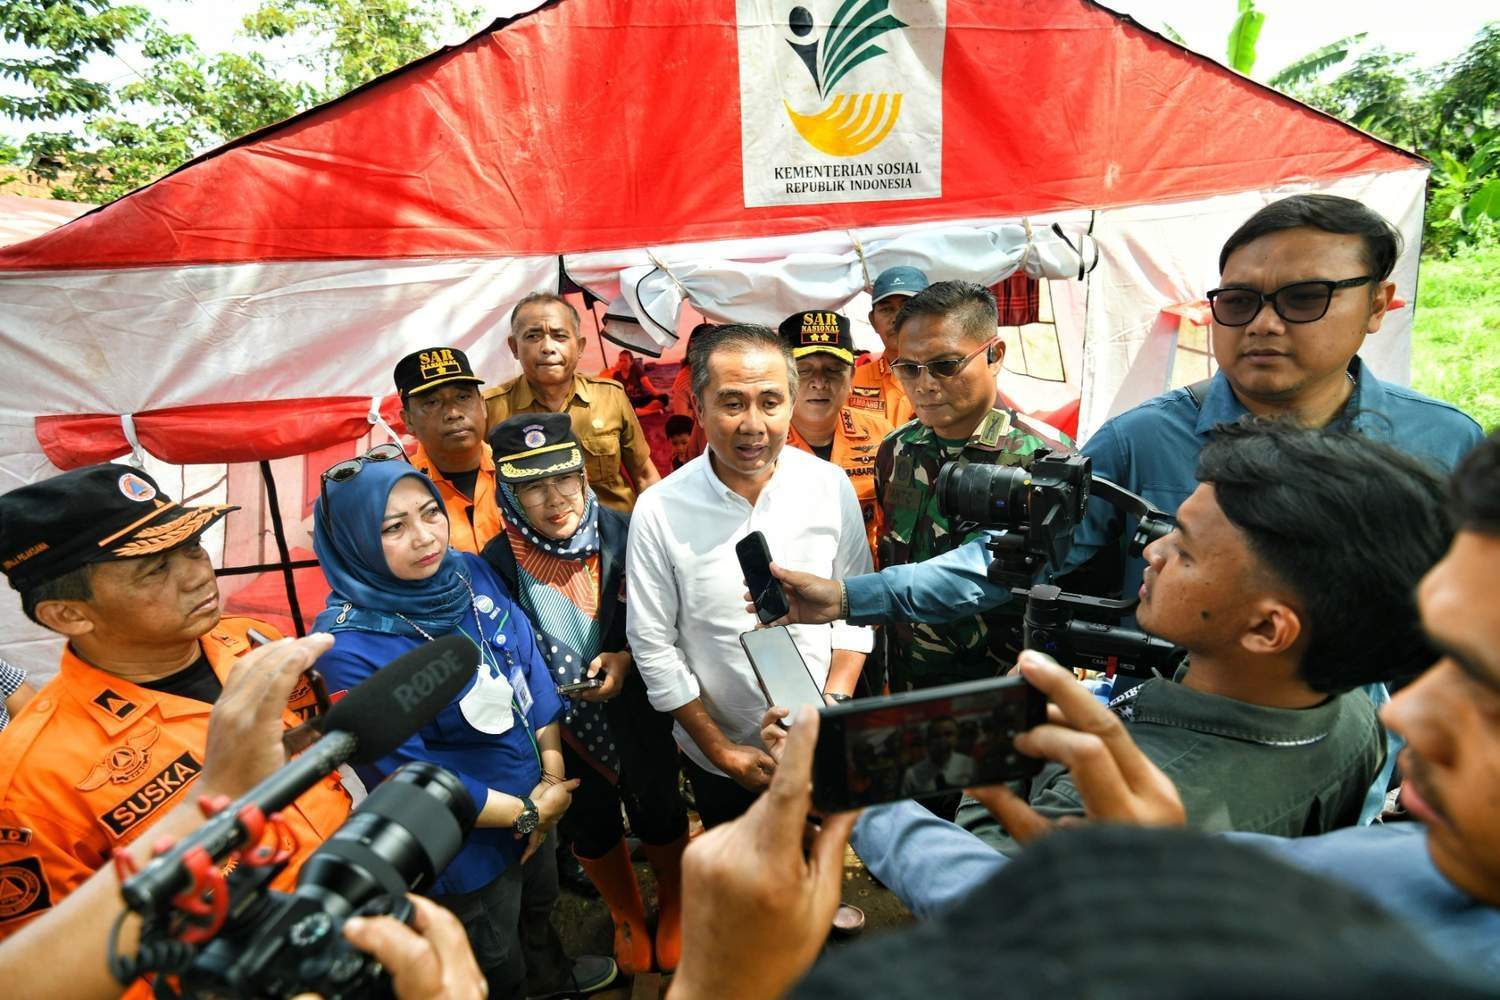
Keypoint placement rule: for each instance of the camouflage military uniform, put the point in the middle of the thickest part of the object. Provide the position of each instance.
(913, 529)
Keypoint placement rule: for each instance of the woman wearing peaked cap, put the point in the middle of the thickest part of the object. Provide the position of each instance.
(563, 555)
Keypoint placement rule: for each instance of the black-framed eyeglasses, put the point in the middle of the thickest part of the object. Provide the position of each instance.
(910, 371)
(1299, 302)
(342, 472)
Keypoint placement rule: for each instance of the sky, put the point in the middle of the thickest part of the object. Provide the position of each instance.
(1434, 30)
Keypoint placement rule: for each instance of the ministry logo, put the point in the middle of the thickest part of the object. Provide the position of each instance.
(841, 100)
(849, 123)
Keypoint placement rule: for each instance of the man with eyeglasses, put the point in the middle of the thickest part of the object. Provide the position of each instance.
(948, 360)
(822, 422)
(442, 407)
(875, 387)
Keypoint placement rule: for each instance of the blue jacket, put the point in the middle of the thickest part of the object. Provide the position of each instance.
(508, 762)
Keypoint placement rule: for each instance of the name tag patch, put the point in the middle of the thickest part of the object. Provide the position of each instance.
(155, 793)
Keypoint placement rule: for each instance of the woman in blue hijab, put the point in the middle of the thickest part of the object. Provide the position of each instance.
(381, 535)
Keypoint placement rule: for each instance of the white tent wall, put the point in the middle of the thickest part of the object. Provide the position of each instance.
(1154, 256)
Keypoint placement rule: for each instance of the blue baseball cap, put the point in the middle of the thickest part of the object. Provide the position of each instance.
(898, 281)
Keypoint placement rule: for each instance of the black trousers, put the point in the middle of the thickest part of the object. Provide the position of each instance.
(647, 786)
(509, 924)
(719, 799)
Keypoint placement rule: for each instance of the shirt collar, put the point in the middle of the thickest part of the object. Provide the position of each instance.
(990, 432)
(717, 486)
(115, 703)
(1165, 702)
(525, 395)
(1368, 402)
(422, 462)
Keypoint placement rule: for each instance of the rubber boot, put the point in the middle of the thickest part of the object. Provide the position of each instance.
(615, 880)
(666, 861)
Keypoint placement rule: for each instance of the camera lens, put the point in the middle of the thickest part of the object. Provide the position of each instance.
(402, 836)
(992, 495)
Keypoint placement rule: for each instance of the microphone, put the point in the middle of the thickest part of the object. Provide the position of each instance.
(368, 723)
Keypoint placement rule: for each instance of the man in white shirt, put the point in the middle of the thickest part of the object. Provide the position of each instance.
(943, 767)
(686, 608)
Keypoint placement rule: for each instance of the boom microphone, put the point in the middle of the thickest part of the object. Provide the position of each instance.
(368, 723)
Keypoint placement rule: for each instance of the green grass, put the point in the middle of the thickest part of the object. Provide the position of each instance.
(1455, 344)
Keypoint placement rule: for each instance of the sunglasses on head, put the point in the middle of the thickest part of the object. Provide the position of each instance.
(1299, 302)
(346, 470)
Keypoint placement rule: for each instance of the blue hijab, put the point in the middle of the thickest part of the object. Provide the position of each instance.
(365, 594)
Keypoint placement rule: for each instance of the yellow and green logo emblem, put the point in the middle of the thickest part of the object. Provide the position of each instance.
(847, 124)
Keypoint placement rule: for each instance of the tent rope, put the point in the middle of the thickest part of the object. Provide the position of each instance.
(376, 420)
(662, 267)
(137, 454)
(864, 262)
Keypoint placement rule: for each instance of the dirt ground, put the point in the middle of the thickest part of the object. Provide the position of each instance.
(586, 928)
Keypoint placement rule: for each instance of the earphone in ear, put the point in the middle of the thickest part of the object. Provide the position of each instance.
(991, 354)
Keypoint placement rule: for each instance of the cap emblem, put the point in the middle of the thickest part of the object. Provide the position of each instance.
(533, 435)
(436, 364)
(135, 488)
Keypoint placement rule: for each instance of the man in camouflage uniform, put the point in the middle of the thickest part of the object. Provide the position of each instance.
(949, 359)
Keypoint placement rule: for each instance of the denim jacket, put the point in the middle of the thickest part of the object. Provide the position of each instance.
(1236, 765)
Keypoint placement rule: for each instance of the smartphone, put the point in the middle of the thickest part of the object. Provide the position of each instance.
(922, 744)
(579, 686)
(780, 669)
(765, 589)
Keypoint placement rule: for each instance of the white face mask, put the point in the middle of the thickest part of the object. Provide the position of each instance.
(487, 706)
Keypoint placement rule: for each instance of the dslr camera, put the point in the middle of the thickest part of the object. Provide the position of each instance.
(1032, 512)
(257, 942)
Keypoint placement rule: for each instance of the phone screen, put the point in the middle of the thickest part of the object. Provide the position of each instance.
(779, 666)
(765, 589)
(924, 743)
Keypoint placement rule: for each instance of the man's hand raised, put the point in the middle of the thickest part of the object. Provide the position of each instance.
(757, 906)
(244, 730)
(1116, 781)
(811, 600)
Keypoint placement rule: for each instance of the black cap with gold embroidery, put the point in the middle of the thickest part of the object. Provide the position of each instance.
(100, 513)
(531, 446)
(810, 332)
(427, 369)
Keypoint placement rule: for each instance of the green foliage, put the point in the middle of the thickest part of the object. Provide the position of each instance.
(1315, 62)
(186, 101)
(1447, 114)
(1243, 36)
(1456, 334)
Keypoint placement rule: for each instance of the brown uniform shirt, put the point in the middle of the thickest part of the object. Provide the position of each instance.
(877, 390)
(605, 424)
(856, 440)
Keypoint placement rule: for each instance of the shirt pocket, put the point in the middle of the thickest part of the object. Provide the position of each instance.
(601, 456)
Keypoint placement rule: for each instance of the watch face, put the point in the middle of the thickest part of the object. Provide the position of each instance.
(527, 821)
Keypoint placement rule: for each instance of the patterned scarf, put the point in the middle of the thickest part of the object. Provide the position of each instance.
(557, 584)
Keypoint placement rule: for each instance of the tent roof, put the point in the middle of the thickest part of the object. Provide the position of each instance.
(596, 124)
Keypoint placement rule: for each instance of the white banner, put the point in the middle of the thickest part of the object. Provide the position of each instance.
(841, 100)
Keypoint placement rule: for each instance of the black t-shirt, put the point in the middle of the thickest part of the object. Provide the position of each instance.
(823, 451)
(464, 482)
(197, 681)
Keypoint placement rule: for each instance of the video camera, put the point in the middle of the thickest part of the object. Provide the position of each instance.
(211, 926)
(1035, 509)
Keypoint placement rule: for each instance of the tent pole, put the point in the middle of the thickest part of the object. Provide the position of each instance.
(281, 548)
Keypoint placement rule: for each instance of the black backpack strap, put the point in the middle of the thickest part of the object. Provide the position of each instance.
(1199, 391)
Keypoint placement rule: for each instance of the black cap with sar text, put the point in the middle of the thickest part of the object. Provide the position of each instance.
(100, 513)
(818, 332)
(427, 369)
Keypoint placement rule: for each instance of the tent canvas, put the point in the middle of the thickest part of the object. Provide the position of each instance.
(697, 154)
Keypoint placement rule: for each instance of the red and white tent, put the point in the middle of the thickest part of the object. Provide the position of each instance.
(741, 159)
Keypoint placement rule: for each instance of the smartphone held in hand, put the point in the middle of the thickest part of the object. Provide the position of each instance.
(924, 743)
(765, 589)
(780, 669)
(579, 686)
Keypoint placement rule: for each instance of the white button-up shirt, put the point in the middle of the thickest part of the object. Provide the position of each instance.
(686, 593)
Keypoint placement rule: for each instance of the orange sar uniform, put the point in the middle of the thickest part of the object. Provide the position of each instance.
(875, 389)
(472, 522)
(93, 760)
(604, 423)
(856, 439)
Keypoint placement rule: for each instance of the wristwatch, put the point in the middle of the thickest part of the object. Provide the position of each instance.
(837, 697)
(529, 818)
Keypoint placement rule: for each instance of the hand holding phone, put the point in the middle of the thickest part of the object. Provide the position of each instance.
(922, 744)
(765, 590)
(579, 686)
(780, 669)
